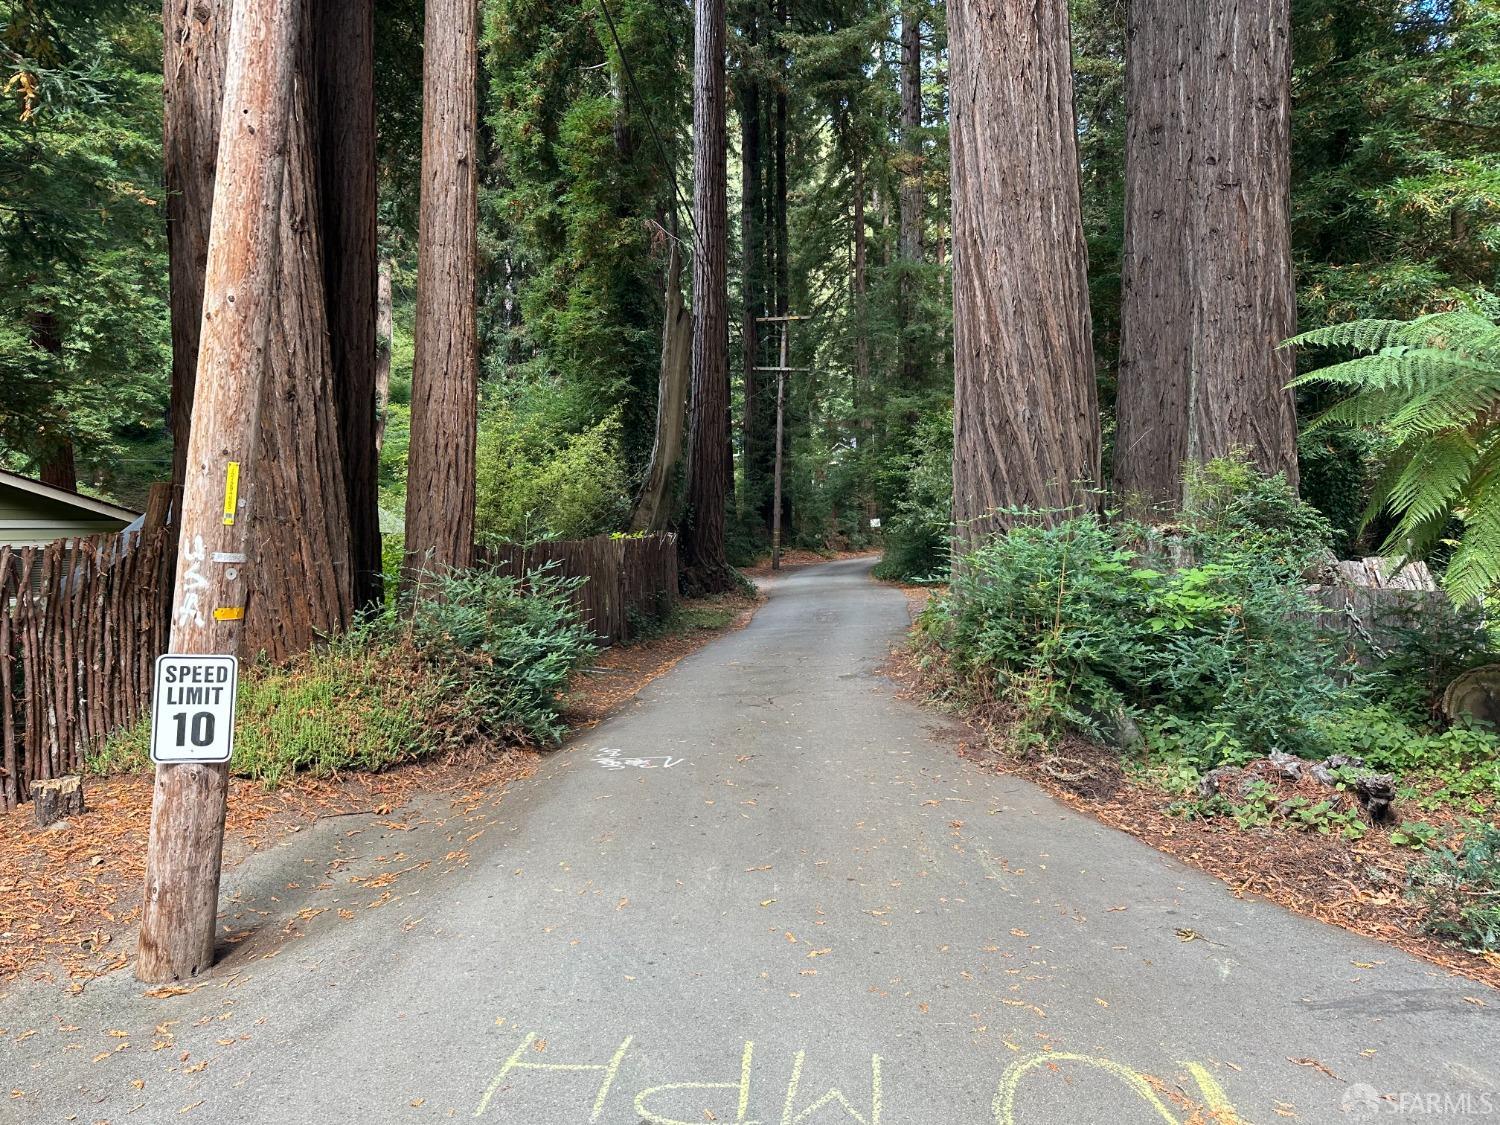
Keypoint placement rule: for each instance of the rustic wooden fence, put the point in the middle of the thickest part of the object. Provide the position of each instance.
(631, 580)
(81, 623)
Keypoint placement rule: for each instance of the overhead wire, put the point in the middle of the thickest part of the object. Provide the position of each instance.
(667, 164)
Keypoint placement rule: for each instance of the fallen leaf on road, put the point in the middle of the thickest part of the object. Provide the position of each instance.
(820, 952)
(162, 991)
(767, 867)
(1315, 1064)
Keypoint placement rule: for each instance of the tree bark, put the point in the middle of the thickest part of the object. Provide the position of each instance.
(303, 589)
(1244, 299)
(185, 846)
(910, 193)
(1025, 419)
(194, 37)
(1151, 401)
(344, 38)
(752, 280)
(705, 566)
(653, 508)
(1208, 280)
(445, 371)
(59, 466)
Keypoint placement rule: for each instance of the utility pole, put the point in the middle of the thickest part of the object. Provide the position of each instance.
(186, 843)
(781, 371)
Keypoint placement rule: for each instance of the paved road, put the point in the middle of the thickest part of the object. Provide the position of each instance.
(766, 893)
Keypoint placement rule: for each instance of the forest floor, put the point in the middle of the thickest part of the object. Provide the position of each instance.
(68, 892)
(1355, 884)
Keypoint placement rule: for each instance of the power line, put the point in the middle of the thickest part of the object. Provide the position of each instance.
(650, 121)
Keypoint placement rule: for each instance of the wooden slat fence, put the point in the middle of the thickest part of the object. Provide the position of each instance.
(81, 623)
(631, 580)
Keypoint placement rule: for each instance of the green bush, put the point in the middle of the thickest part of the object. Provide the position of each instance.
(507, 645)
(536, 482)
(483, 656)
(1459, 890)
(1083, 623)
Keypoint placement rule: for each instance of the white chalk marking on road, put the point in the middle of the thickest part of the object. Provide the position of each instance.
(610, 758)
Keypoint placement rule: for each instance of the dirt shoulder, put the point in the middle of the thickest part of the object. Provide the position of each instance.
(70, 893)
(1357, 885)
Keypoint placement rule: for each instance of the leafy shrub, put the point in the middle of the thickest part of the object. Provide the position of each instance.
(484, 655)
(1076, 625)
(507, 645)
(537, 482)
(1084, 624)
(345, 707)
(1459, 889)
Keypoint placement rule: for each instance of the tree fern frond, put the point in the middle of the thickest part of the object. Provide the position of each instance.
(1433, 386)
(1434, 478)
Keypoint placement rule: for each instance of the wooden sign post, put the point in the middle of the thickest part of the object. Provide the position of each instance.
(215, 550)
(781, 371)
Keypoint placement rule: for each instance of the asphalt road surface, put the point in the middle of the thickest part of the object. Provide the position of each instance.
(766, 893)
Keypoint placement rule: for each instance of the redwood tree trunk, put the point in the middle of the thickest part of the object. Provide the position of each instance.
(752, 279)
(194, 35)
(1151, 403)
(303, 589)
(653, 507)
(910, 195)
(1025, 418)
(344, 36)
(705, 567)
(1208, 289)
(1244, 300)
(444, 385)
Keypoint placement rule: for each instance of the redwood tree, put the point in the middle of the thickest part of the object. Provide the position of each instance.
(705, 567)
(304, 590)
(1025, 417)
(1208, 288)
(344, 35)
(445, 368)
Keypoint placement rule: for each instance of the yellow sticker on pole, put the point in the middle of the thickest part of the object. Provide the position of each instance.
(230, 613)
(231, 491)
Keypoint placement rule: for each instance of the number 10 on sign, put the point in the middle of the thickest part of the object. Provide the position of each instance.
(192, 708)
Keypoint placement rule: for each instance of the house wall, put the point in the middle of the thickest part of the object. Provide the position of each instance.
(26, 519)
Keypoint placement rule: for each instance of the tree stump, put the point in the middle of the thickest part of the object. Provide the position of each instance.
(57, 798)
(1474, 695)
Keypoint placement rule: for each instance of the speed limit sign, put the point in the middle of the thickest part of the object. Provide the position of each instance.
(192, 708)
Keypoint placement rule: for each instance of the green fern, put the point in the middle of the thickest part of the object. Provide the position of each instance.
(1433, 386)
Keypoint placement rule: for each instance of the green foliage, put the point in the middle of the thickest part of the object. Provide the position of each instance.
(1432, 386)
(483, 656)
(538, 482)
(572, 219)
(1079, 623)
(1459, 890)
(83, 315)
(1416, 834)
(918, 538)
